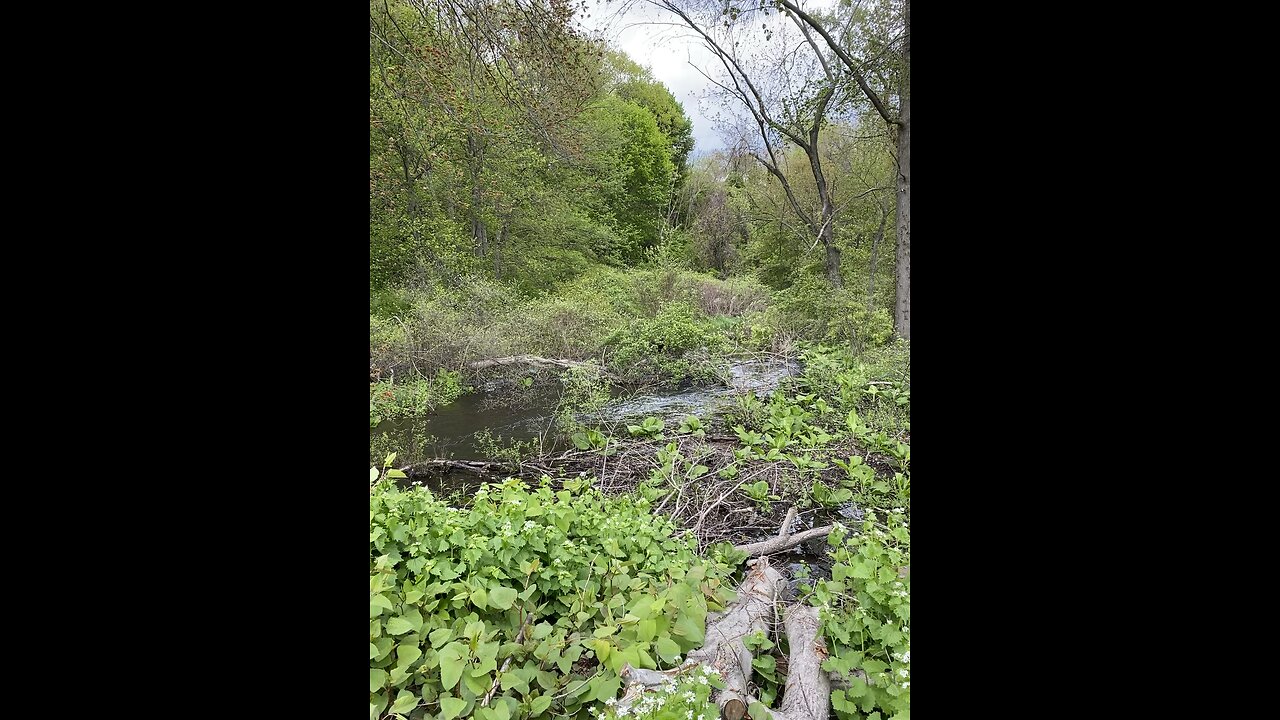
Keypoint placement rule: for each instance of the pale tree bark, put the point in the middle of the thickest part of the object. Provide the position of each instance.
(807, 695)
(902, 307)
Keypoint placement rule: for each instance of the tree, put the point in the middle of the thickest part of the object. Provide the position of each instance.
(795, 114)
(899, 124)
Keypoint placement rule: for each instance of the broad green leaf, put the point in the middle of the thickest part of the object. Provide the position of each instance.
(377, 679)
(450, 707)
(606, 688)
(400, 626)
(407, 654)
(502, 597)
(440, 637)
(539, 705)
(668, 649)
(451, 664)
(405, 702)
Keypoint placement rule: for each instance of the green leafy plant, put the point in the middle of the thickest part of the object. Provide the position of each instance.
(590, 439)
(759, 492)
(412, 398)
(865, 614)
(650, 426)
(827, 497)
(691, 425)
(557, 589)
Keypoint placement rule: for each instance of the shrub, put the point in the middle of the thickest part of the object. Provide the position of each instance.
(558, 589)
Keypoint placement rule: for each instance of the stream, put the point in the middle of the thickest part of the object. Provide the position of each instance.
(502, 409)
(502, 412)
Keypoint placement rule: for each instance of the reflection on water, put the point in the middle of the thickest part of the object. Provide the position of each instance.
(500, 409)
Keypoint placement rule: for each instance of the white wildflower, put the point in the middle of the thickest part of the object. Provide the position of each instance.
(611, 702)
(903, 672)
(529, 524)
(906, 656)
(688, 696)
(702, 680)
(688, 714)
(906, 685)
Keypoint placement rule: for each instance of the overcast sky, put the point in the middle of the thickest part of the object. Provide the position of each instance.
(661, 42)
(649, 37)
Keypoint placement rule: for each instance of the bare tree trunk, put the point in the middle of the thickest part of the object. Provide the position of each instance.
(902, 306)
(833, 264)
(827, 230)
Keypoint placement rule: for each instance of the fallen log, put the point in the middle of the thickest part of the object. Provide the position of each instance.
(724, 649)
(536, 361)
(808, 688)
(808, 691)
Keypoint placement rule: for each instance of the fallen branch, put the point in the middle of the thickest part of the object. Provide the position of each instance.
(786, 524)
(781, 543)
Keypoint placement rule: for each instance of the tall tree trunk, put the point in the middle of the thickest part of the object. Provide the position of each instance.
(833, 263)
(478, 230)
(902, 306)
(875, 248)
(827, 230)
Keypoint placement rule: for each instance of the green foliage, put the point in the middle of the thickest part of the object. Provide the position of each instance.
(649, 427)
(568, 586)
(691, 426)
(865, 612)
(590, 439)
(585, 391)
(759, 492)
(686, 697)
(658, 346)
(638, 189)
(412, 398)
(811, 309)
(510, 451)
(827, 497)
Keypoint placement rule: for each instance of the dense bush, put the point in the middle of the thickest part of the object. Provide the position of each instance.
(526, 604)
(866, 611)
(810, 309)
